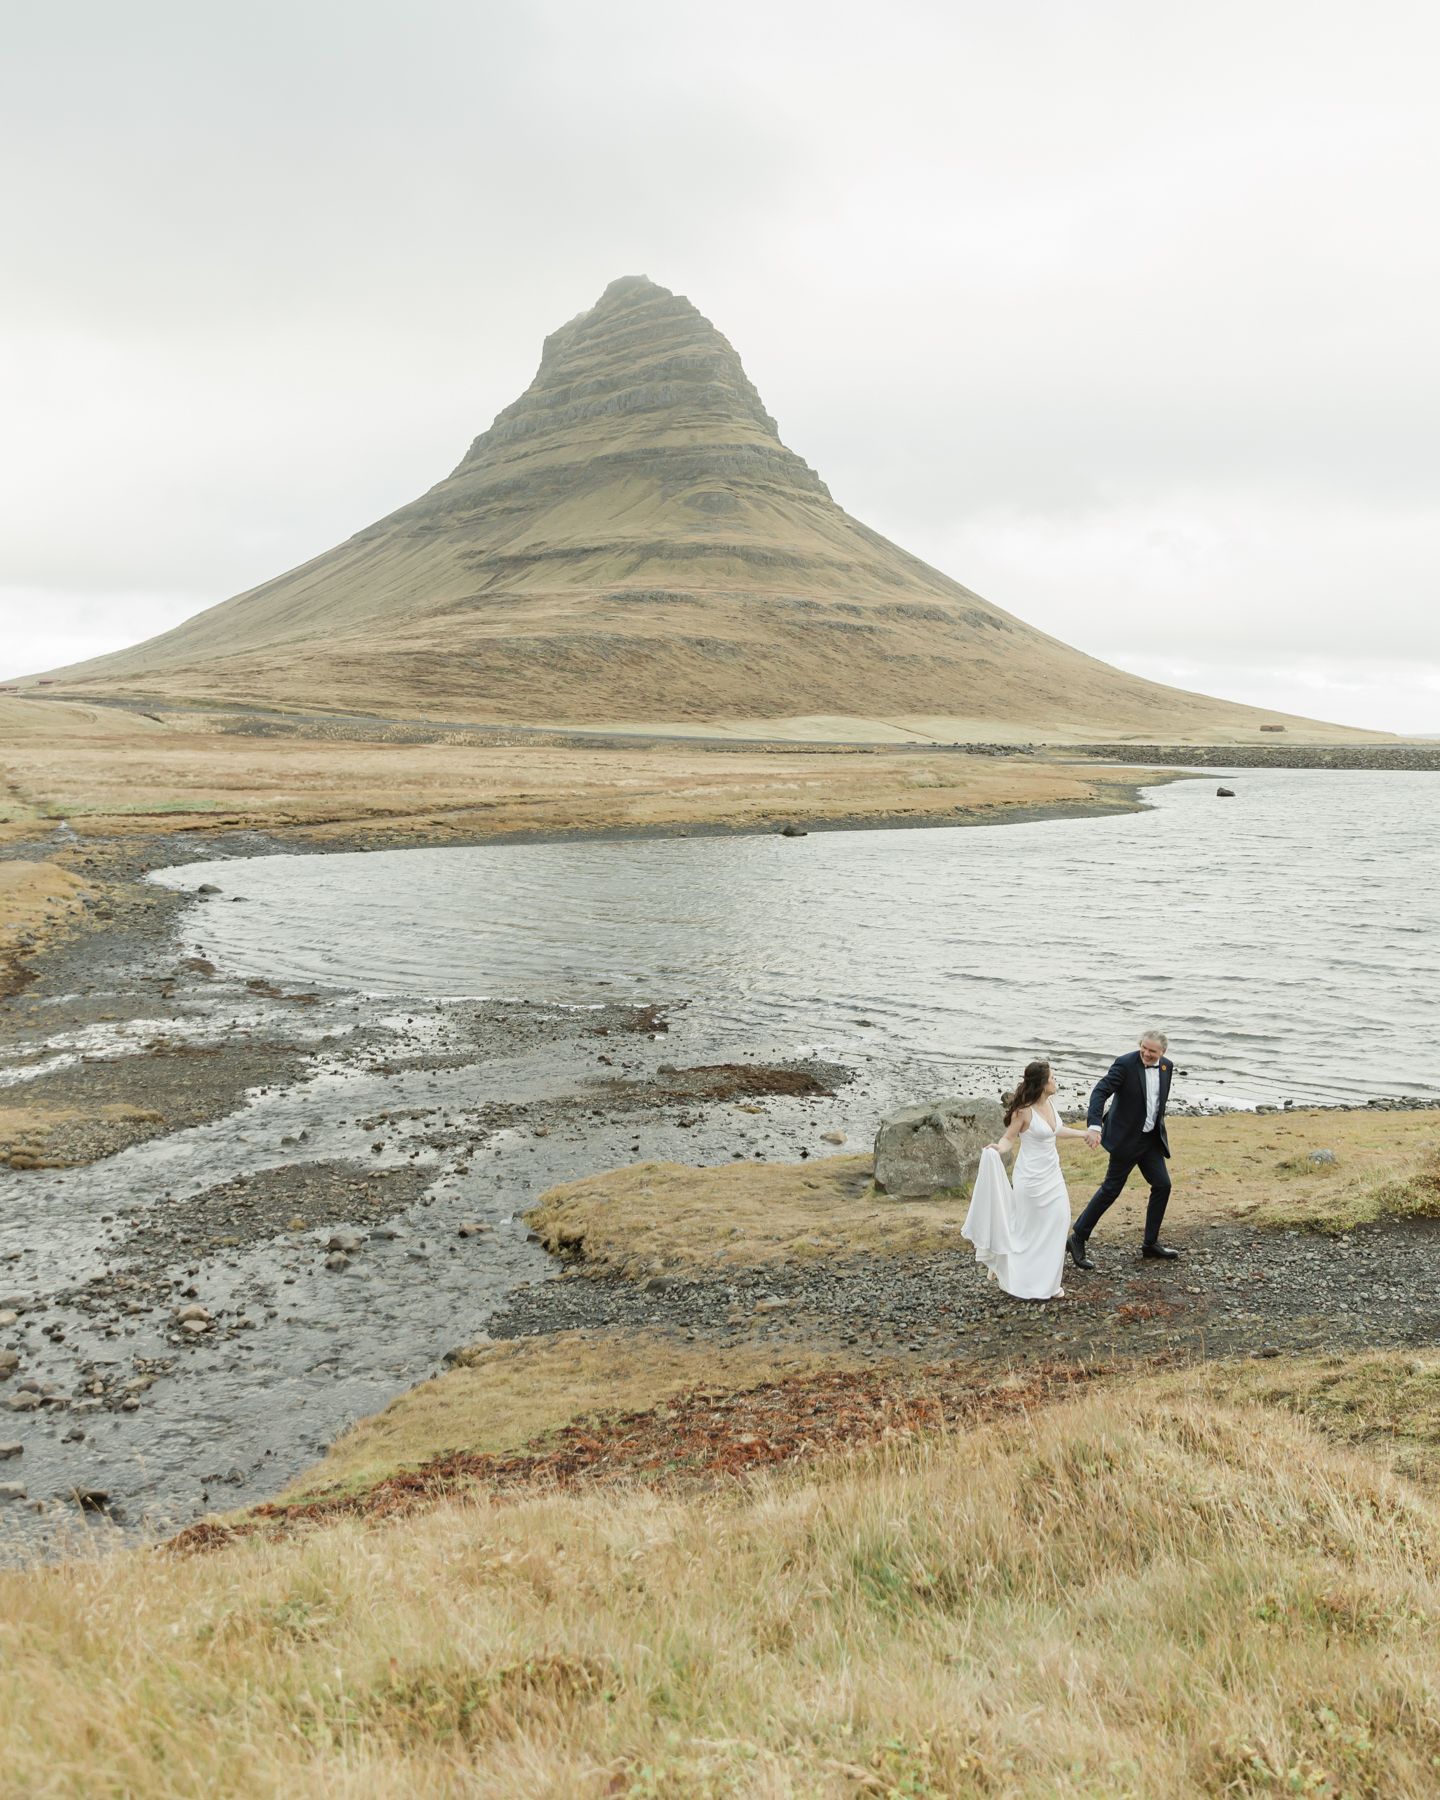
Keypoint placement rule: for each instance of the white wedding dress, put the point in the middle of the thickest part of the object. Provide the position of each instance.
(1019, 1232)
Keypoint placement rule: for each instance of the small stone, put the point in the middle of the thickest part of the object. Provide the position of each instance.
(12, 1490)
(832, 1137)
(26, 1402)
(794, 831)
(7, 1318)
(14, 1448)
(91, 1499)
(192, 1314)
(337, 1260)
(1322, 1158)
(73, 1436)
(295, 1224)
(195, 1327)
(471, 1229)
(130, 1405)
(1224, 793)
(207, 887)
(345, 1240)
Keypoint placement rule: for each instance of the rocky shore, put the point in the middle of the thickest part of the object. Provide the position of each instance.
(1234, 1292)
(237, 1215)
(1424, 758)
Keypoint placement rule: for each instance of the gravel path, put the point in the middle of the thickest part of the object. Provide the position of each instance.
(1232, 1292)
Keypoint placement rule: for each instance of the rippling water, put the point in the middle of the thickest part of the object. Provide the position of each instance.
(1288, 940)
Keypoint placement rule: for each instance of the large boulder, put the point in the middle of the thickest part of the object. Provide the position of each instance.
(921, 1149)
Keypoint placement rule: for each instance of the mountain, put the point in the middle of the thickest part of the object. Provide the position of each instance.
(630, 542)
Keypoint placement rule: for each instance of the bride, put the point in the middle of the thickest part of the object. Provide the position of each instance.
(1019, 1232)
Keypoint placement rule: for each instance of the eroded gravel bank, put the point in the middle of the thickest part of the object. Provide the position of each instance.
(1233, 1292)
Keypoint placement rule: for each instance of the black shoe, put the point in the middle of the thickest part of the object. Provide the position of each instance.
(1160, 1252)
(1078, 1253)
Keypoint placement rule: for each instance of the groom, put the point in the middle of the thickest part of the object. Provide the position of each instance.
(1133, 1131)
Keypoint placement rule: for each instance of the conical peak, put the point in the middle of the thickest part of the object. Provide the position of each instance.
(640, 350)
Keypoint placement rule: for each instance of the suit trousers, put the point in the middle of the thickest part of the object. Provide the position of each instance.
(1149, 1159)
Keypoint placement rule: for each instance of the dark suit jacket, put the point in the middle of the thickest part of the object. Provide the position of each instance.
(1123, 1127)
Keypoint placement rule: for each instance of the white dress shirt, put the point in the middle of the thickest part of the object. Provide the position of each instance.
(1152, 1096)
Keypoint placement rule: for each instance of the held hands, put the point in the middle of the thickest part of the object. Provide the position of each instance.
(1092, 1137)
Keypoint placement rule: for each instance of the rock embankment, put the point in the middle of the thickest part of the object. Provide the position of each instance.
(1424, 757)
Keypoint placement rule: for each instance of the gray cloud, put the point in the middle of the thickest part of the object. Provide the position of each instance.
(1121, 314)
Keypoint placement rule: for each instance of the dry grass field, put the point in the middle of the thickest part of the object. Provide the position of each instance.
(111, 771)
(638, 1220)
(1144, 1591)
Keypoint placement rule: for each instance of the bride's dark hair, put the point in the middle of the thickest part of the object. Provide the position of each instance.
(1031, 1089)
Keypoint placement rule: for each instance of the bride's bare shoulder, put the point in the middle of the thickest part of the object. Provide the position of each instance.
(1023, 1116)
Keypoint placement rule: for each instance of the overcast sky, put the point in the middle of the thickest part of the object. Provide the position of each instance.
(1122, 314)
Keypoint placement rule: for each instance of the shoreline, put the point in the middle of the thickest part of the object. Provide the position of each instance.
(249, 1127)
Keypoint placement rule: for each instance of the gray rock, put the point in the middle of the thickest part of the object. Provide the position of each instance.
(29, 1401)
(794, 831)
(1322, 1158)
(337, 1260)
(921, 1149)
(345, 1240)
(207, 887)
(9, 1363)
(12, 1490)
(11, 1449)
(1222, 794)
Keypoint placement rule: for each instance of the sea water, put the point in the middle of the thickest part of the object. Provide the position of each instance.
(1287, 939)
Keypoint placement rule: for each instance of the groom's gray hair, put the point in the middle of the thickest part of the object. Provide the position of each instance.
(1154, 1037)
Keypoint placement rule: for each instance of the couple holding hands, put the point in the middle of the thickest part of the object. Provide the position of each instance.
(1021, 1230)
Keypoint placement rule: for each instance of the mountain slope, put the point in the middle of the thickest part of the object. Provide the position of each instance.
(631, 542)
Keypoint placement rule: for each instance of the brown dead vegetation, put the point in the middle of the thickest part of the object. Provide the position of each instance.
(110, 771)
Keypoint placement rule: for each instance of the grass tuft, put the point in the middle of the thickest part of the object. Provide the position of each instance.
(1147, 1590)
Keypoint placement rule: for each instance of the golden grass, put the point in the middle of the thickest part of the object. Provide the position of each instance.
(25, 1129)
(1255, 1167)
(503, 1395)
(1386, 1401)
(110, 771)
(36, 897)
(655, 1216)
(650, 1217)
(1129, 1594)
